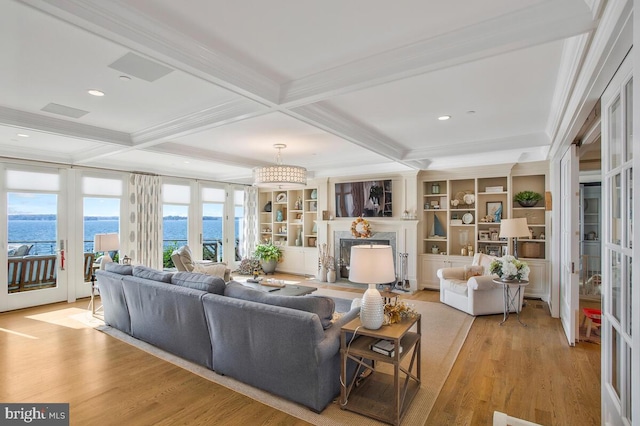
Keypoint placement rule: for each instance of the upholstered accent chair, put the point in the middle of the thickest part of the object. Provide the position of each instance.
(183, 260)
(471, 288)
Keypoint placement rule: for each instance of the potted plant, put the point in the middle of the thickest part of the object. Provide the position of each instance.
(527, 198)
(268, 255)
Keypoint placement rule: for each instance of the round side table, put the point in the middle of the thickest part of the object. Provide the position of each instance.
(512, 292)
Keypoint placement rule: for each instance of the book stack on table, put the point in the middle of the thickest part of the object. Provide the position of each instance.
(384, 347)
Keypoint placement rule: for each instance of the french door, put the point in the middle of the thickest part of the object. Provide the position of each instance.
(569, 251)
(33, 261)
(618, 342)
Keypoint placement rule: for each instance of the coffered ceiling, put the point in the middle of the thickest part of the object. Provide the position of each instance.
(204, 88)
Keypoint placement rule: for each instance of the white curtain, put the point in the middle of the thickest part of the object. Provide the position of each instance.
(145, 223)
(250, 224)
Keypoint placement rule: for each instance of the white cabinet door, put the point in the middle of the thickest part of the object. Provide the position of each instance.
(538, 279)
(429, 265)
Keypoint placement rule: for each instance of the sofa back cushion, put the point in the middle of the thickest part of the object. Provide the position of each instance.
(197, 281)
(322, 306)
(116, 268)
(151, 274)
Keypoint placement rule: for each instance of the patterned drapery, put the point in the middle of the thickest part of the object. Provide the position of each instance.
(250, 221)
(145, 236)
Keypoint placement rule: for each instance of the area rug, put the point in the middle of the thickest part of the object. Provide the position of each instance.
(444, 330)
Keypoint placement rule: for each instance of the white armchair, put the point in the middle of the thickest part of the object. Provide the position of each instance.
(471, 288)
(183, 261)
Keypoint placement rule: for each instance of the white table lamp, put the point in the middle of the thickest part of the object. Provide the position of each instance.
(514, 228)
(371, 264)
(106, 243)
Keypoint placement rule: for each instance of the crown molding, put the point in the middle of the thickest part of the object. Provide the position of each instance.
(116, 21)
(57, 126)
(531, 26)
(228, 112)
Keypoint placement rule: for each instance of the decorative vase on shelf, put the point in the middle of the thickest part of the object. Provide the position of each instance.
(314, 194)
(331, 276)
(279, 216)
(372, 310)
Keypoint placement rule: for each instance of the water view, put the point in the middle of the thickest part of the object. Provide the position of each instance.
(40, 230)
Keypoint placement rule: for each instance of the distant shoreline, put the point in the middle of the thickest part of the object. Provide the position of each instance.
(53, 217)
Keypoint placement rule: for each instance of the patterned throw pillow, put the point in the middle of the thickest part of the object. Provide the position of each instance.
(473, 271)
(214, 269)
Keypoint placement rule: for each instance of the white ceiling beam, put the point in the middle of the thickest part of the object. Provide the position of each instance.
(57, 126)
(480, 146)
(544, 22)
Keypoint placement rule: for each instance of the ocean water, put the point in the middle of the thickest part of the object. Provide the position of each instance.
(43, 232)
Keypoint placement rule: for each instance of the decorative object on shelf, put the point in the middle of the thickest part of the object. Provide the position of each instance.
(492, 251)
(514, 228)
(469, 199)
(492, 208)
(398, 312)
(372, 264)
(267, 207)
(298, 204)
(269, 255)
(314, 194)
(484, 235)
(435, 188)
(467, 218)
(331, 276)
(463, 237)
(314, 229)
(281, 197)
(494, 189)
(311, 241)
(360, 228)
(509, 268)
(438, 229)
(455, 202)
(497, 215)
(527, 198)
(279, 217)
(299, 238)
(435, 249)
(280, 175)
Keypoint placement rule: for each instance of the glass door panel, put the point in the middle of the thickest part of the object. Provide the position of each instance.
(175, 230)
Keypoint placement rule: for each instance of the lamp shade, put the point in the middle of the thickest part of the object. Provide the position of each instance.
(514, 228)
(371, 264)
(106, 242)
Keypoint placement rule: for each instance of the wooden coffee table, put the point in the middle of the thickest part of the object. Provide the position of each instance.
(287, 290)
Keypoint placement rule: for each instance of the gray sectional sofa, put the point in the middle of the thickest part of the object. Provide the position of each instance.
(286, 345)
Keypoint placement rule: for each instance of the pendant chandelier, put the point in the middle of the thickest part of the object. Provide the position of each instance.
(280, 176)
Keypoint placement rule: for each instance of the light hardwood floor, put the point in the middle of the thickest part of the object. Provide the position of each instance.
(527, 372)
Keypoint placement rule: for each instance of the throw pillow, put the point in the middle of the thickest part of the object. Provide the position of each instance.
(473, 271)
(186, 257)
(214, 269)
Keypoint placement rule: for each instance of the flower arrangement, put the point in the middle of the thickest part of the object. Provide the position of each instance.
(365, 231)
(324, 257)
(396, 312)
(510, 268)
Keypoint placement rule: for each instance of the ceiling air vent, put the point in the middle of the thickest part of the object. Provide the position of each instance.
(65, 110)
(142, 68)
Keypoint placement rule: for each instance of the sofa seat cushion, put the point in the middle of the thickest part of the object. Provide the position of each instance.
(456, 286)
(152, 274)
(208, 283)
(322, 306)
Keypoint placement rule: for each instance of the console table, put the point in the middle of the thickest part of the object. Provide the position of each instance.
(368, 393)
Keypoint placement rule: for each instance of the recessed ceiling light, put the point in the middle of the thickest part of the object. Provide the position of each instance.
(22, 135)
(95, 92)
(186, 162)
(444, 117)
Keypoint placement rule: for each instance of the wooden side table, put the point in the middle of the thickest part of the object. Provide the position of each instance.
(370, 396)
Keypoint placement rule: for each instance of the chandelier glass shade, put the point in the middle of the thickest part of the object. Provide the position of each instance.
(280, 175)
